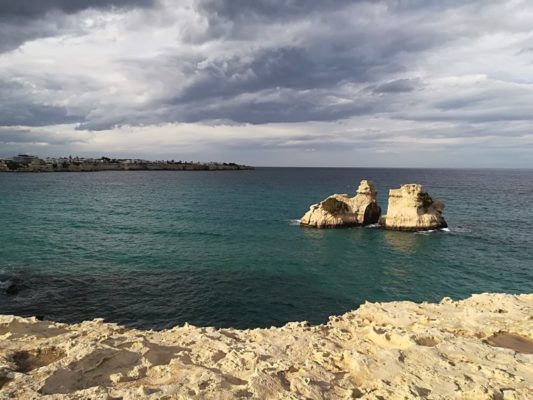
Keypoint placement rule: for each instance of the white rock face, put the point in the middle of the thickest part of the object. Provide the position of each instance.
(410, 208)
(340, 210)
(479, 348)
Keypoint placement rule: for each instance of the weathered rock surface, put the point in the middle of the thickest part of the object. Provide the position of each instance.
(410, 208)
(479, 348)
(341, 210)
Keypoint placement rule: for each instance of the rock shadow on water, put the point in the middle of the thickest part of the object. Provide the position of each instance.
(402, 242)
(410, 242)
(11, 286)
(164, 298)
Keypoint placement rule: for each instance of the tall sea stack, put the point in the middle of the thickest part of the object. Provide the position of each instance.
(340, 210)
(410, 208)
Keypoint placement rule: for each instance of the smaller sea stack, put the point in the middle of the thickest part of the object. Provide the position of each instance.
(410, 208)
(340, 210)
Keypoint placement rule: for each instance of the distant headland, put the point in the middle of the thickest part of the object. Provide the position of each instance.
(31, 163)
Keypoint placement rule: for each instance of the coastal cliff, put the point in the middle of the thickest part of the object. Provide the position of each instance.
(341, 210)
(410, 208)
(478, 348)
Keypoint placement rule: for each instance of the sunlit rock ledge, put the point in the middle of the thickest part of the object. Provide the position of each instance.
(478, 348)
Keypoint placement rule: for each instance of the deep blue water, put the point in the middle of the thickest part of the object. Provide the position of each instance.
(157, 249)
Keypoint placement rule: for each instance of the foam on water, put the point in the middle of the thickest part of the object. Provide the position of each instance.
(372, 226)
(461, 229)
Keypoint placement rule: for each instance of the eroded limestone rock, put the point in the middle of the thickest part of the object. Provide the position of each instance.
(478, 348)
(410, 208)
(340, 210)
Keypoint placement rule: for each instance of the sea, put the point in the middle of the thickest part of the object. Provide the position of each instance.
(156, 249)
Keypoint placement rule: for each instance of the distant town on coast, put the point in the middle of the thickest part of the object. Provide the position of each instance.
(32, 163)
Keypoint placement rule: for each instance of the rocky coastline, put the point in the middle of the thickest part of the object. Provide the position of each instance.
(478, 348)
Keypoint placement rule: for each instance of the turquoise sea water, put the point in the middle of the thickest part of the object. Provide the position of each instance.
(157, 249)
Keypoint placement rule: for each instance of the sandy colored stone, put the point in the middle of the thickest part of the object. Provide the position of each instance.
(340, 210)
(397, 350)
(410, 208)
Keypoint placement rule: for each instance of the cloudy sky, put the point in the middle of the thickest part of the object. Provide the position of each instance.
(423, 83)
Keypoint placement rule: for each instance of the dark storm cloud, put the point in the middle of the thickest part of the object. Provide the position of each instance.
(16, 136)
(459, 102)
(283, 9)
(257, 62)
(319, 65)
(23, 20)
(30, 9)
(232, 86)
(17, 108)
(300, 109)
(284, 67)
(396, 86)
(31, 114)
(234, 9)
(15, 33)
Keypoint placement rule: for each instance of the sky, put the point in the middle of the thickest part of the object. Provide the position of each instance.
(377, 83)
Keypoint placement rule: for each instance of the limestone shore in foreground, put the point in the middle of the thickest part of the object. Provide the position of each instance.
(478, 348)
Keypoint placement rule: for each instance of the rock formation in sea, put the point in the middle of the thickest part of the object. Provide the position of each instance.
(410, 208)
(478, 348)
(340, 210)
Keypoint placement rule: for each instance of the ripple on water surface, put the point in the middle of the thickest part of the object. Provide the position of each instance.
(156, 249)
